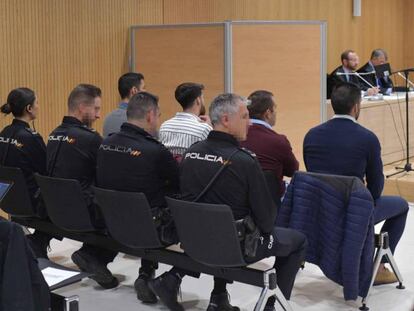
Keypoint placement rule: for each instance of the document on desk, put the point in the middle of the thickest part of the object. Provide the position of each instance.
(54, 276)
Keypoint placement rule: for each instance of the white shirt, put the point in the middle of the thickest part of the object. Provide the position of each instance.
(344, 116)
(181, 131)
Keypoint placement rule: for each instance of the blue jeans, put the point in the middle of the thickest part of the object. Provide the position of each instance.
(393, 210)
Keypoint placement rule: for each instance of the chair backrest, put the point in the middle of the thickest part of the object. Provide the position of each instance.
(128, 218)
(274, 187)
(65, 203)
(207, 233)
(17, 200)
(335, 213)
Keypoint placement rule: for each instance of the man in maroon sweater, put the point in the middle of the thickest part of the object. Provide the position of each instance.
(272, 149)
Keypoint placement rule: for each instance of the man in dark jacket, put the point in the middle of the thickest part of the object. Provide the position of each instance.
(378, 57)
(142, 164)
(343, 147)
(346, 73)
(242, 186)
(71, 153)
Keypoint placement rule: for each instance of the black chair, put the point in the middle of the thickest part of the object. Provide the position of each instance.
(208, 235)
(65, 204)
(128, 218)
(17, 201)
(274, 187)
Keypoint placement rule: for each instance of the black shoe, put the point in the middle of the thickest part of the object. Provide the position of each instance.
(38, 246)
(220, 302)
(166, 287)
(269, 308)
(270, 304)
(144, 293)
(99, 272)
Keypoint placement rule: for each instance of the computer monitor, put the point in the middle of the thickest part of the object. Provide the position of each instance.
(4, 188)
(383, 70)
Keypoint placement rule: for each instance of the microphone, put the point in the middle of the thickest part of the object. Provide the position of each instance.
(358, 75)
(408, 80)
(354, 73)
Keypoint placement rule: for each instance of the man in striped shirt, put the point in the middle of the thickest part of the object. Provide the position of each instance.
(187, 127)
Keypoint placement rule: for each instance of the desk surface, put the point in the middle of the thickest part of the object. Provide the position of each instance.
(387, 119)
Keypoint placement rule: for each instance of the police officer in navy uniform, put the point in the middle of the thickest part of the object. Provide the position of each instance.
(23, 147)
(71, 153)
(242, 186)
(142, 164)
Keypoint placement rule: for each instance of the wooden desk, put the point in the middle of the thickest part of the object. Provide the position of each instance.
(386, 118)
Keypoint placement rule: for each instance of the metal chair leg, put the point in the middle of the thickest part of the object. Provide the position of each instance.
(270, 289)
(382, 250)
(394, 268)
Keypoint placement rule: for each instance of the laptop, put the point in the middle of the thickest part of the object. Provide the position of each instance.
(4, 188)
(383, 71)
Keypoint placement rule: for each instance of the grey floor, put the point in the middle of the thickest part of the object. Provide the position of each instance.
(312, 290)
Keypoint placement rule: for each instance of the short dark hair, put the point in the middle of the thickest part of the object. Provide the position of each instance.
(140, 104)
(186, 93)
(17, 101)
(127, 81)
(345, 54)
(345, 97)
(83, 94)
(260, 101)
(378, 52)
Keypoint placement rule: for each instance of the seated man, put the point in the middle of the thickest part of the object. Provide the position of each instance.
(273, 150)
(242, 186)
(343, 147)
(346, 73)
(187, 127)
(71, 153)
(141, 164)
(128, 85)
(378, 57)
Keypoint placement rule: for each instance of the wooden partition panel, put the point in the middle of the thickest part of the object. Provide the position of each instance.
(170, 55)
(286, 60)
(53, 45)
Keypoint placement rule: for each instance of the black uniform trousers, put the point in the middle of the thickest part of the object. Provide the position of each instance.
(289, 247)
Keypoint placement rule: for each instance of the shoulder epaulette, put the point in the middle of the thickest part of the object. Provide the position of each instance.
(31, 131)
(152, 138)
(247, 151)
(87, 128)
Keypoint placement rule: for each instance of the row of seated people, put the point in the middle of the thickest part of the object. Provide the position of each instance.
(134, 160)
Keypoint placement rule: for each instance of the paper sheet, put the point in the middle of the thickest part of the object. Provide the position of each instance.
(54, 276)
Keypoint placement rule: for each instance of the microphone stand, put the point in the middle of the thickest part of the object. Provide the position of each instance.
(407, 167)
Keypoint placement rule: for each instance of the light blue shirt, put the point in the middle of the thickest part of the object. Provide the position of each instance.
(114, 120)
(261, 122)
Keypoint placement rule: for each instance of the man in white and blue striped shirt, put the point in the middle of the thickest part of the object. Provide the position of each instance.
(187, 127)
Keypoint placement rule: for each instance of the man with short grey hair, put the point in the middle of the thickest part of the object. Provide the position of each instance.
(378, 57)
(242, 186)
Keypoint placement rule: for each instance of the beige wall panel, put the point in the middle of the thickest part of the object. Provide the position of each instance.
(263, 60)
(381, 24)
(409, 35)
(170, 56)
(53, 45)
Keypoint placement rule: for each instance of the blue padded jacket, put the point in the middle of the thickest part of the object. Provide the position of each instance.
(336, 215)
